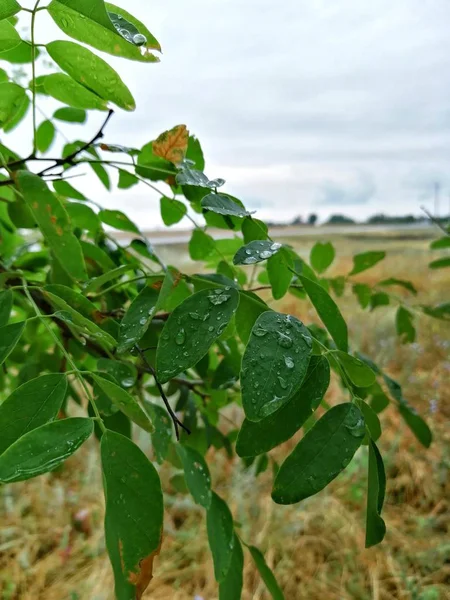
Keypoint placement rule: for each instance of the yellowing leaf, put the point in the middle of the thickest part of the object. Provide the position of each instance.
(172, 144)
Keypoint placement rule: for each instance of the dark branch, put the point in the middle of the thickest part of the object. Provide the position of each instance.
(173, 416)
(434, 220)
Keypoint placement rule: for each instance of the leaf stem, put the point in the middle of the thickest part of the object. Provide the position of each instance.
(33, 71)
(64, 352)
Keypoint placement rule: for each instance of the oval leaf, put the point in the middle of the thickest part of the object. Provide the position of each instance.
(223, 205)
(328, 311)
(66, 90)
(9, 336)
(219, 524)
(134, 513)
(70, 115)
(92, 72)
(320, 455)
(274, 363)
(322, 255)
(43, 449)
(172, 144)
(31, 405)
(11, 99)
(6, 302)
(231, 587)
(124, 401)
(358, 371)
(9, 38)
(375, 526)
(197, 475)
(191, 329)
(256, 438)
(137, 318)
(366, 260)
(266, 574)
(255, 252)
(8, 8)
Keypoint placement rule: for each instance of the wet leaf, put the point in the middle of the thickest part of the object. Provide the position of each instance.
(54, 223)
(162, 436)
(256, 252)
(197, 475)
(371, 419)
(92, 72)
(42, 449)
(223, 205)
(375, 526)
(279, 271)
(134, 514)
(172, 144)
(6, 302)
(97, 282)
(31, 405)
(219, 524)
(253, 230)
(66, 90)
(328, 312)
(266, 574)
(137, 318)
(322, 255)
(274, 364)
(256, 438)
(192, 328)
(249, 309)
(404, 324)
(11, 99)
(9, 336)
(9, 38)
(321, 454)
(366, 260)
(172, 211)
(231, 587)
(358, 371)
(124, 401)
(124, 373)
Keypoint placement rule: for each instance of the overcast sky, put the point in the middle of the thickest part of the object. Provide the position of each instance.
(302, 106)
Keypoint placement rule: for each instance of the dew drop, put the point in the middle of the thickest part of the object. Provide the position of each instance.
(284, 340)
(265, 254)
(289, 362)
(259, 331)
(283, 383)
(248, 252)
(194, 316)
(180, 338)
(143, 320)
(139, 39)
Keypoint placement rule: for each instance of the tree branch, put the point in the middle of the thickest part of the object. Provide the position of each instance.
(434, 220)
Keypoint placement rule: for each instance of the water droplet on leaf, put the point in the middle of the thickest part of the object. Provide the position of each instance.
(180, 338)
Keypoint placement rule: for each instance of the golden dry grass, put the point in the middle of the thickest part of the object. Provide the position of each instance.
(51, 541)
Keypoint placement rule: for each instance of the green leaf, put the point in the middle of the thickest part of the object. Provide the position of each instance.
(440, 263)
(197, 475)
(223, 205)
(97, 282)
(118, 220)
(45, 135)
(195, 153)
(6, 302)
(172, 211)
(18, 116)
(441, 311)
(83, 217)
(322, 255)
(101, 173)
(162, 436)
(249, 309)
(274, 364)
(441, 243)
(20, 55)
(379, 299)
(124, 373)
(97, 31)
(328, 312)
(137, 319)
(375, 526)
(92, 72)
(363, 294)
(400, 282)
(11, 99)
(279, 271)
(366, 260)
(256, 438)
(8, 8)
(70, 115)
(191, 329)
(124, 401)
(9, 38)
(231, 587)
(54, 223)
(321, 454)
(134, 514)
(31, 405)
(66, 90)
(77, 311)
(266, 574)
(64, 188)
(256, 252)
(42, 449)
(371, 419)
(200, 245)
(253, 230)
(219, 524)
(359, 373)
(404, 324)
(417, 425)
(9, 336)
(126, 180)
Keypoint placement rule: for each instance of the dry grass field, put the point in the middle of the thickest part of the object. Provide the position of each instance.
(51, 539)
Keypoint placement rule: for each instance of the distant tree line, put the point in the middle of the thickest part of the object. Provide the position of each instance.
(377, 219)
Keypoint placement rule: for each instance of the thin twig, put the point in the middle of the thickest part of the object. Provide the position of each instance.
(434, 220)
(173, 416)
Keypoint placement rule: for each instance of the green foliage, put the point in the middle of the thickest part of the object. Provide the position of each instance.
(138, 344)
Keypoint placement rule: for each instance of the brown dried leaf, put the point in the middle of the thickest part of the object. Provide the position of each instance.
(172, 144)
(144, 574)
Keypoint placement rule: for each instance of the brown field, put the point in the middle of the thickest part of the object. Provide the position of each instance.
(51, 539)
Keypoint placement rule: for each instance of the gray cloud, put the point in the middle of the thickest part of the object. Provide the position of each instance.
(359, 192)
